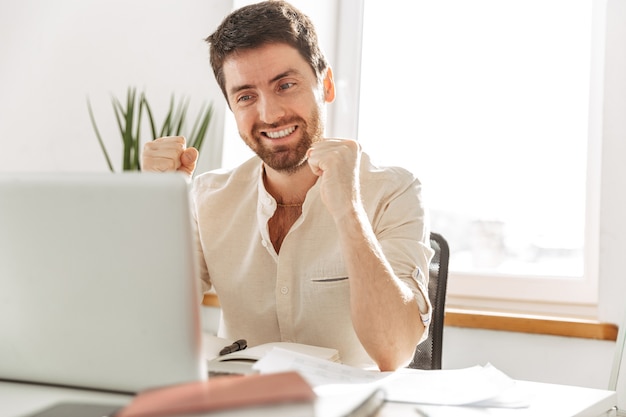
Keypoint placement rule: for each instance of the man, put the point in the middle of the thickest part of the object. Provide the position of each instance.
(308, 242)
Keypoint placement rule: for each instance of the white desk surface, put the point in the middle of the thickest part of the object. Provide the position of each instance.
(547, 400)
(550, 400)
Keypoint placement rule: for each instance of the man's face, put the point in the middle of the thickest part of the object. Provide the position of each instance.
(278, 103)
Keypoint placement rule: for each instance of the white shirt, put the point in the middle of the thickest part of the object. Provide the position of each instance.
(301, 294)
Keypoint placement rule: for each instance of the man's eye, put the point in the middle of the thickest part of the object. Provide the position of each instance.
(285, 86)
(244, 98)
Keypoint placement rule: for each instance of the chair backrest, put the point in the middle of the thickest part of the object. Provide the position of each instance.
(428, 353)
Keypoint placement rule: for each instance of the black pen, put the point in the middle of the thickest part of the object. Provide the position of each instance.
(240, 344)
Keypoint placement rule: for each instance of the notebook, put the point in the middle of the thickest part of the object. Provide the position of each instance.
(97, 281)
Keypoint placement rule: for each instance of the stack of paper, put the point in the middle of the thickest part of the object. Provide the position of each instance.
(333, 382)
(480, 386)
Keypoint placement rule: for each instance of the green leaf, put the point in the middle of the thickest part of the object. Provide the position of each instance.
(179, 120)
(95, 128)
(150, 117)
(119, 115)
(166, 129)
(128, 129)
(137, 141)
(197, 137)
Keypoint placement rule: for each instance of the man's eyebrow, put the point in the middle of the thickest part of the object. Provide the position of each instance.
(284, 74)
(236, 88)
(287, 73)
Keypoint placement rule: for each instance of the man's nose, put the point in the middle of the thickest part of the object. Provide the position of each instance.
(270, 110)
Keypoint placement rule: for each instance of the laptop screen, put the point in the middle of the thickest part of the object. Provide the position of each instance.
(97, 281)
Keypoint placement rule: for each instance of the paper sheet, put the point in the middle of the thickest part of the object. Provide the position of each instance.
(316, 371)
(481, 386)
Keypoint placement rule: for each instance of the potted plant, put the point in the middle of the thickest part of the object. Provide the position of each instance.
(129, 121)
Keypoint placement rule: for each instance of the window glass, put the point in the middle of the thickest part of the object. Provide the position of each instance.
(487, 102)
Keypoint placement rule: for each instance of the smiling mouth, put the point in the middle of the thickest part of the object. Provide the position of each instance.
(280, 133)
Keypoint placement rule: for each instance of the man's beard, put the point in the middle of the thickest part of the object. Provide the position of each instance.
(288, 158)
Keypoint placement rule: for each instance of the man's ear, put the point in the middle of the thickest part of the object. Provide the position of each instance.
(329, 86)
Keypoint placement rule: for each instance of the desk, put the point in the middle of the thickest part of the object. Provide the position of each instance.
(549, 400)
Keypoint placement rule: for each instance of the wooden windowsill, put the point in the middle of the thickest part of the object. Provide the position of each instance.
(523, 323)
(210, 300)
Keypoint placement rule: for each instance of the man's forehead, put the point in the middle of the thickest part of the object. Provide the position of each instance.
(261, 65)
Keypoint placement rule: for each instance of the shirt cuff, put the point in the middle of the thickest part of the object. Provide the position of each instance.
(423, 301)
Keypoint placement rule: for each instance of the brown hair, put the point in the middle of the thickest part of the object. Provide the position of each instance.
(258, 24)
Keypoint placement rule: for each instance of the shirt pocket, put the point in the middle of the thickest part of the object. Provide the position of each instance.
(330, 295)
(329, 279)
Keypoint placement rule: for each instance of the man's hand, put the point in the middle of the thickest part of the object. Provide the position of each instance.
(169, 153)
(336, 162)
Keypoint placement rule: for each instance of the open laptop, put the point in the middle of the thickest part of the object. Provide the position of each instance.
(97, 281)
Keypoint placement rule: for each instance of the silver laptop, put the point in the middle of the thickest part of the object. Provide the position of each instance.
(97, 281)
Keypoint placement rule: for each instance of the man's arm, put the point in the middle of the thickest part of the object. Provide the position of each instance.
(384, 310)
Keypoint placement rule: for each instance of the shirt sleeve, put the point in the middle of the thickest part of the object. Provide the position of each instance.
(400, 222)
(202, 269)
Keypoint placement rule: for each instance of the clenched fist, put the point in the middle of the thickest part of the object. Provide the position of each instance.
(169, 153)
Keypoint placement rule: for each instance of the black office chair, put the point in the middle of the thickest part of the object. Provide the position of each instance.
(428, 353)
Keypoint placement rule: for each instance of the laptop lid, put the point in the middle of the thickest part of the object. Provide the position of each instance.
(97, 281)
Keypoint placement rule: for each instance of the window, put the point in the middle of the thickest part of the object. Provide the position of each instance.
(488, 102)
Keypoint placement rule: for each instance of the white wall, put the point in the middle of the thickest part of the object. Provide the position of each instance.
(55, 53)
(544, 358)
(613, 182)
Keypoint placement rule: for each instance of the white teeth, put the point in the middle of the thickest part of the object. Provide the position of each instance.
(280, 133)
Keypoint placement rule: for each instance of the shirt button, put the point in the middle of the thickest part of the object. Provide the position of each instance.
(264, 243)
(284, 290)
